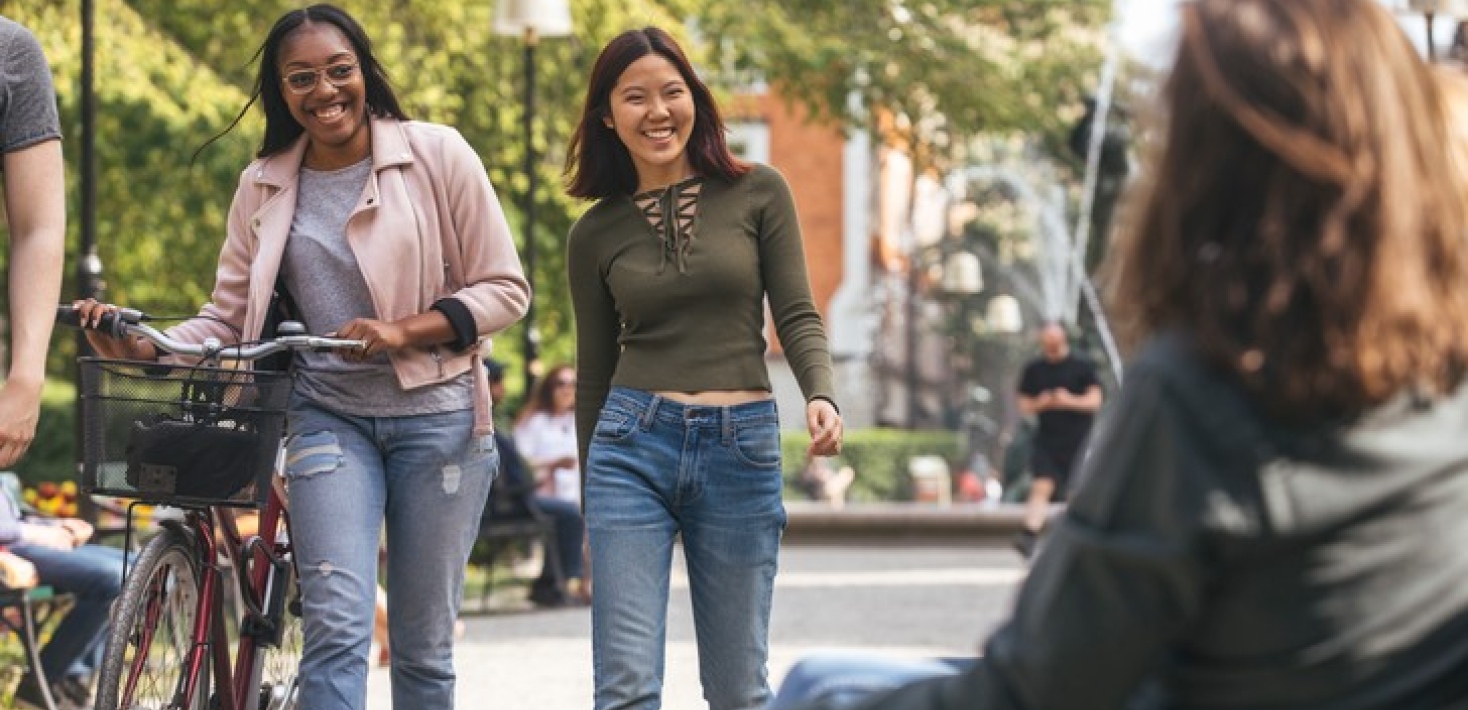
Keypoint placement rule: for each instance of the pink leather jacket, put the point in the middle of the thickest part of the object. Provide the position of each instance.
(427, 227)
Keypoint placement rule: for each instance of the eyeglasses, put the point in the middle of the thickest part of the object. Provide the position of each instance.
(302, 81)
(565, 383)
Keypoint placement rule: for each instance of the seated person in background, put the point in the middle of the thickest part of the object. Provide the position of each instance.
(1273, 515)
(91, 574)
(545, 433)
(514, 478)
(825, 483)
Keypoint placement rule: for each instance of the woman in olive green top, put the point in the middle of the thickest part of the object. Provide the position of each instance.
(670, 273)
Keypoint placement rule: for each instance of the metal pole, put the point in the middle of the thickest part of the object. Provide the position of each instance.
(914, 384)
(531, 333)
(88, 265)
(1431, 45)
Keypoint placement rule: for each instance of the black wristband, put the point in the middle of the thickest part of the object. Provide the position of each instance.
(832, 402)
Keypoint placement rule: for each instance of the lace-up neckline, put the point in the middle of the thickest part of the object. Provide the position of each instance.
(670, 211)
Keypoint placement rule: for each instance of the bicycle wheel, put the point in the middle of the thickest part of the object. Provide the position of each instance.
(152, 630)
(280, 666)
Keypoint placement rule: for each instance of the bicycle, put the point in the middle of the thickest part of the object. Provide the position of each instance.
(204, 439)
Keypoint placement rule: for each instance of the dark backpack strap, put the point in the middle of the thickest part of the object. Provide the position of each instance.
(282, 308)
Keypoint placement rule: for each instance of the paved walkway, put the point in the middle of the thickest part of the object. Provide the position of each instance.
(903, 601)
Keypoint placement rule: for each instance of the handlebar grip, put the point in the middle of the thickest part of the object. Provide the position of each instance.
(111, 323)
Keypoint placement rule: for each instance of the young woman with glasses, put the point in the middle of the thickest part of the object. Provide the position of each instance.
(671, 271)
(386, 230)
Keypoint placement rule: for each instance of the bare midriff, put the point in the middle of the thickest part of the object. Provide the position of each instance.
(717, 398)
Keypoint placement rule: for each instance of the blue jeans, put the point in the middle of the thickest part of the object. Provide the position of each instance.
(832, 681)
(92, 574)
(428, 478)
(658, 469)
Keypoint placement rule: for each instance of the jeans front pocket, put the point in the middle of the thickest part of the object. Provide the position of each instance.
(614, 424)
(757, 442)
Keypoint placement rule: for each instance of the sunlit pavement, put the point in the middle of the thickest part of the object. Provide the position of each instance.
(896, 600)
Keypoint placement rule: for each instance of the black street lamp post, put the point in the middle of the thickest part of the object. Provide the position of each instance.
(1432, 9)
(88, 264)
(531, 20)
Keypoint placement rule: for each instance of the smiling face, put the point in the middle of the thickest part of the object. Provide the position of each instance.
(334, 116)
(652, 112)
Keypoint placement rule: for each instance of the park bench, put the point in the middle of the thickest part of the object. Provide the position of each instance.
(509, 518)
(25, 609)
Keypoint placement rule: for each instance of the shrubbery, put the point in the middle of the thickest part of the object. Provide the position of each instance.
(879, 457)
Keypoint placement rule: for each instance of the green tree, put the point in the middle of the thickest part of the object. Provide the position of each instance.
(173, 73)
(159, 220)
(950, 68)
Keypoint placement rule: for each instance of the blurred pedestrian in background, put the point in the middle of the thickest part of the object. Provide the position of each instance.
(1061, 391)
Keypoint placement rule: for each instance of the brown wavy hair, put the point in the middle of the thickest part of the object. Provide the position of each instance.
(1303, 219)
(543, 394)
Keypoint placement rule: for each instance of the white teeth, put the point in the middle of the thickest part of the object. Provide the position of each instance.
(658, 134)
(330, 112)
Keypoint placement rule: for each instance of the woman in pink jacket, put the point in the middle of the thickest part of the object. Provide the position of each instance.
(374, 227)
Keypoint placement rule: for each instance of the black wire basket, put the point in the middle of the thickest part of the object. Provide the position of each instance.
(183, 436)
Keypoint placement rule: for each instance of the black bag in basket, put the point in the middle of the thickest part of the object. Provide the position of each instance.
(170, 457)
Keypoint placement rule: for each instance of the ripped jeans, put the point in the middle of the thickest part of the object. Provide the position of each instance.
(427, 477)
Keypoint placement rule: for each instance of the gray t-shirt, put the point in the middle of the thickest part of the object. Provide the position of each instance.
(27, 97)
(321, 273)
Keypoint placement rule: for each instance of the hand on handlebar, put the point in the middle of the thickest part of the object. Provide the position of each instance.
(377, 337)
(89, 313)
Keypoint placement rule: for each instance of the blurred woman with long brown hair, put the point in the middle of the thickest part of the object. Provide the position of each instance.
(1273, 513)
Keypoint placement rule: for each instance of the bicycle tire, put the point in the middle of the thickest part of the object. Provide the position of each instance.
(281, 665)
(164, 579)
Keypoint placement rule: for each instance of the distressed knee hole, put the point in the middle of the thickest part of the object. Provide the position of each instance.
(312, 454)
(452, 476)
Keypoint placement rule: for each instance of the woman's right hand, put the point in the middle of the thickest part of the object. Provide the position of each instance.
(89, 313)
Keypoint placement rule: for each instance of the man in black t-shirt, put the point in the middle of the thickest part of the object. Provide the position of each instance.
(1062, 391)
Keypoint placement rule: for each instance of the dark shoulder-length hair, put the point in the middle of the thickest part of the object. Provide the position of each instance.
(1303, 216)
(281, 128)
(598, 164)
(543, 394)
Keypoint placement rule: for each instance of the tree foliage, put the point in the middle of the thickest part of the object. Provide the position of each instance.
(173, 73)
(949, 69)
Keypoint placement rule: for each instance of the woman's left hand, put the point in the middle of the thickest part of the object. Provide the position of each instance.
(376, 336)
(826, 428)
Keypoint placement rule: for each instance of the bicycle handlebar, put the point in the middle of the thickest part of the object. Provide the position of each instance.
(127, 321)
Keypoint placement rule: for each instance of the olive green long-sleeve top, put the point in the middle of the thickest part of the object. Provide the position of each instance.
(693, 320)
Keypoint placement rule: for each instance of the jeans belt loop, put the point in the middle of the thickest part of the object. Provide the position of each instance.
(726, 424)
(651, 413)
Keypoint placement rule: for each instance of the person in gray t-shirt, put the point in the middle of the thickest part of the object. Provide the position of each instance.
(35, 216)
(36, 224)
